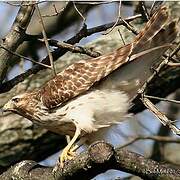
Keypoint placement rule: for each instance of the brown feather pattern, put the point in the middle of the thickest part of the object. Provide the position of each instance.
(152, 27)
(80, 76)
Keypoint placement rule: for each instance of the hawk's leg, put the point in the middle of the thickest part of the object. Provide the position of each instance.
(68, 139)
(77, 146)
(64, 155)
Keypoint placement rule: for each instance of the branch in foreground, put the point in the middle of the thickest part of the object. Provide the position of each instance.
(99, 158)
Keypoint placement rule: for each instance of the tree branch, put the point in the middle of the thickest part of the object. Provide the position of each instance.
(15, 37)
(162, 139)
(46, 41)
(99, 158)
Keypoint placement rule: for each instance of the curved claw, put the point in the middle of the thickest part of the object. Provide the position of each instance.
(67, 153)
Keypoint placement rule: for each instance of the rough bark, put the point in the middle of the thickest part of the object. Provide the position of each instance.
(15, 37)
(99, 158)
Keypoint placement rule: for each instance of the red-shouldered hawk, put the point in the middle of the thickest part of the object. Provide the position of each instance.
(93, 94)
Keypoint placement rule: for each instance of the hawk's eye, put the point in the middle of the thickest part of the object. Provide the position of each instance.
(16, 100)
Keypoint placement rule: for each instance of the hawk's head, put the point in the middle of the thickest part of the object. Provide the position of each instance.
(25, 104)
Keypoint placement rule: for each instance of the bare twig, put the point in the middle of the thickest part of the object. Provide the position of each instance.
(175, 51)
(75, 49)
(57, 12)
(64, 45)
(46, 41)
(173, 64)
(145, 13)
(163, 119)
(162, 139)
(75, 7)
(121, 37)
(24, 57)
(118, 17)
(162, 99)
(129, 27)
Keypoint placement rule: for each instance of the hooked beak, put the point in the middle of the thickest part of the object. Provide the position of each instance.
(7, 107)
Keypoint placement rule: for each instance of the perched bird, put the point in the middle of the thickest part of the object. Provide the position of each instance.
(92, 95)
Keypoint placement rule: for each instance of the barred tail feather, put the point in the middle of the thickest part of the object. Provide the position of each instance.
(152, 27)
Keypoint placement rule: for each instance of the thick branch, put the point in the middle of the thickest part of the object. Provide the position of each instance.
(99, 158)
(15, 37)
(27, 142)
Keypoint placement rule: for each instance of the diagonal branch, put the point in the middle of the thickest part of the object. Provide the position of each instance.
(163, 119)
(24, 57)
(15, 37)
(46, 40)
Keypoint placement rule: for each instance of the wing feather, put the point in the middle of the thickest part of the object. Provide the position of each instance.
(152, 27)
(80, 76)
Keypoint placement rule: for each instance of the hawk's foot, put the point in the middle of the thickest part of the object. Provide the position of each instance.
(67, 154)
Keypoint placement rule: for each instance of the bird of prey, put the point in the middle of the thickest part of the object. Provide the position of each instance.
(92, 95)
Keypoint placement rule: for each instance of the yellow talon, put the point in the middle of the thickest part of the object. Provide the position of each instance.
(67, 153)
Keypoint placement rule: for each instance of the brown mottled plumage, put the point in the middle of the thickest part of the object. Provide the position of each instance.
(80, 76)
(74, 103)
